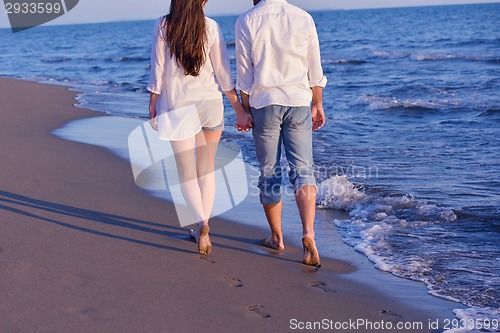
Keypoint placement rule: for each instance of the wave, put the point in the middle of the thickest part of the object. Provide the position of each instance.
(339, 193)
(411, 239)
(96, 68)
(459, 57)
(119, 87)
(490, 113)
(434, 57)
(489, 318)
(62, 47)
(492, 60)
(479, 42)
(131, 59)
(102, 83)
(344, 61)
(385, 103)
(132, 47)
(389, 54)
(424, 57)
(56, 59)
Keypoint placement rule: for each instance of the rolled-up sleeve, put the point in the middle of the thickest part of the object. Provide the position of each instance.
(221, 63)
(244, 63)
(158, 50)
(315, 70)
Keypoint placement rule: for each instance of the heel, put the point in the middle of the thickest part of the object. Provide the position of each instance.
(206, 248)
(311, 256)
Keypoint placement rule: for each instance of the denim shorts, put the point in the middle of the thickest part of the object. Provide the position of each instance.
(216, 128)
(275, 126)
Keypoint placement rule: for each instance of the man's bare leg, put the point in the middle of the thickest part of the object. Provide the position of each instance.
(306, 201)
(273, 214)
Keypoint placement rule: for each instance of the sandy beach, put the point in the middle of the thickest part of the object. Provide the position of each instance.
(83, 249)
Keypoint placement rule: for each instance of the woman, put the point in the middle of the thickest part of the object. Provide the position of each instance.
(186, 108)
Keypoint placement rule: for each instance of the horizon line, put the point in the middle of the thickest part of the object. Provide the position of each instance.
(232, 14)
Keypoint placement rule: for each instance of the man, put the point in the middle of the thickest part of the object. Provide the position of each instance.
(279, 74)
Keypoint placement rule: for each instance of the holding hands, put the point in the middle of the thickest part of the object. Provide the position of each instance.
(244, 121)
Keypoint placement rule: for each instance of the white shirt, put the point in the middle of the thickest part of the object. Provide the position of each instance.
(278, 55)
(188, 103)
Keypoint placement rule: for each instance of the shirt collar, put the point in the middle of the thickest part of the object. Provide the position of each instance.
(271, 1)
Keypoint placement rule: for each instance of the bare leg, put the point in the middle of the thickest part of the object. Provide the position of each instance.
(185, 161)
(206, 148)
(202, 238)
(194, 190)
(273, 214)
(306, 201)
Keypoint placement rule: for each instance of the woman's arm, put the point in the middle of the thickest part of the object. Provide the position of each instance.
(153, 99)
(155, 85)
(222, 68)
(158, 56)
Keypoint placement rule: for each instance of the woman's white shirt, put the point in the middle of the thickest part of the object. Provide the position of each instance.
(188, 103)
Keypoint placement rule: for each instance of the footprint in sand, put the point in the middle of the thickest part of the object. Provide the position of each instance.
(321, 286)
(310, 269)
(392, 316)
(259, 310)
(75, 280)
(85, 312)
(233, 282)
(206, 258)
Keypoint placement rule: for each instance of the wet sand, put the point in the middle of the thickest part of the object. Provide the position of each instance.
(83, 249)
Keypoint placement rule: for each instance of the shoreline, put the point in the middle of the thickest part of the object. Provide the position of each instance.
(89, 131)
(81, 197)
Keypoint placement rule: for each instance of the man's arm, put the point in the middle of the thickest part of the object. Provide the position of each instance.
(317, 80)
(245, 101)
(244, 73)
(318, 114)
(244, 63)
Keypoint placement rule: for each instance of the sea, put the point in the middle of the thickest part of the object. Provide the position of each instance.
(411, 148)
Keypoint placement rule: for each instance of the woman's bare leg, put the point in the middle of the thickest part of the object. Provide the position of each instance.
(197, 179)
(206, 149)
(184, 151)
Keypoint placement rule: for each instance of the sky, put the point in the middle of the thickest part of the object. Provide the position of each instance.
(90, 11)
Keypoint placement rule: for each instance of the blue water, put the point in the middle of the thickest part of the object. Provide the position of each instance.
(412, 144)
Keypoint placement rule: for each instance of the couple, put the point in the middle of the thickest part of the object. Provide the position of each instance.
(279, 74)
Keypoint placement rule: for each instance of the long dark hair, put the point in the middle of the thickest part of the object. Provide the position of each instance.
(184, 31)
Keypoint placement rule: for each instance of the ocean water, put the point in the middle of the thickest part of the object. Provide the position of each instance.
(411, 149)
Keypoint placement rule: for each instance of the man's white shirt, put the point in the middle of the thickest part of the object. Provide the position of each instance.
(278, 55)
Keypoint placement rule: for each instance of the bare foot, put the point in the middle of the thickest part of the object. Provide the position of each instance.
(273, 244)
(202, 239)
(311, 256)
